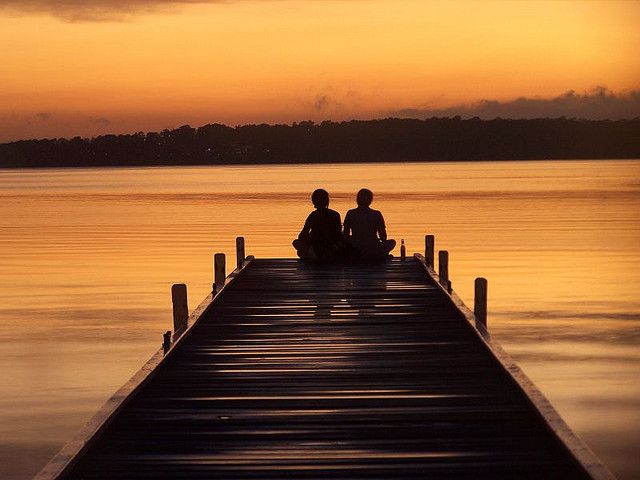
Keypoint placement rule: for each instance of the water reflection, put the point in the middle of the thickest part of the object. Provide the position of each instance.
(88, 258)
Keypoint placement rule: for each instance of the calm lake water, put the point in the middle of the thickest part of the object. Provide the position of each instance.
(88, 258)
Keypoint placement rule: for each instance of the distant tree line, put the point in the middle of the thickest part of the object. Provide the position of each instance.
(385, 140)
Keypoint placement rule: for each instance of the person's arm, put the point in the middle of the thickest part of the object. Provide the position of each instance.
(382, 229)
(337, 227)
(306, 229)
(347, 225)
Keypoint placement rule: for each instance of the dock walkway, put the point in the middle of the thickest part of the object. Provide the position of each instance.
(331, 372)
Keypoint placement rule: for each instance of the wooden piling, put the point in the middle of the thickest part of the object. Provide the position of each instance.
(443, 268)
(239, 252)
(180, 307)
(480, 301)
(429, 249)
(166, 340)
(219, 267)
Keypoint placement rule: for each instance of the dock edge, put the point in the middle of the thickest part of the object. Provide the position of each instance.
(70, 453)
(576, 447)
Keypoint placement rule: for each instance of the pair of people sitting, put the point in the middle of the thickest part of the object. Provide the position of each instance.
(364, 236)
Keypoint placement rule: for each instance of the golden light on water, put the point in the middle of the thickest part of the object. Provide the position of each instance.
(89, 257)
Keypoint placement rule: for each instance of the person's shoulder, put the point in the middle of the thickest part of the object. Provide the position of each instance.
(333, 213)
(351, 212)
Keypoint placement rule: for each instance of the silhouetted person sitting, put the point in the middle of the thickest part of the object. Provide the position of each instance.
(365, 231)
(321, 238)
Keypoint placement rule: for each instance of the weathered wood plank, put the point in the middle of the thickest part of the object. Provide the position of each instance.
(73, 450)
(579, 450)
(307, 371)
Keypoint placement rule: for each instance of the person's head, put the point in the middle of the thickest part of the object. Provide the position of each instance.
(364, 197)
(320, 198)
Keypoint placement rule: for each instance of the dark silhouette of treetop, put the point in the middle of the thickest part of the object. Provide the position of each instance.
(387, 140)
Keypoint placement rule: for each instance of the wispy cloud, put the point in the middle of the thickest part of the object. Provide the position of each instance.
(321, 103)
(43, 116)
(15, 126)
(103, 121)
(93, 10)
(333, 102)
(597, 104)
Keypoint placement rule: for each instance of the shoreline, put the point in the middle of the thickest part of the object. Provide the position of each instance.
(372, 141)
(328, 163)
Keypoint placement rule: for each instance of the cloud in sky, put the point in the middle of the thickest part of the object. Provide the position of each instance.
(598, 104)
(43, 116)
(93, 10)
(102, 121)
(321, 103)
(332, 102)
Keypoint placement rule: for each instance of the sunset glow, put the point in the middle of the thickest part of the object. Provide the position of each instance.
(67, 74)
(286, 206)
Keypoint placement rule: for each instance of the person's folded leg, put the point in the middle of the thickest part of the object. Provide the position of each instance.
(302, 248)
(388, 245)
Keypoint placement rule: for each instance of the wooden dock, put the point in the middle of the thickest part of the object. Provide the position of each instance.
(294, 370)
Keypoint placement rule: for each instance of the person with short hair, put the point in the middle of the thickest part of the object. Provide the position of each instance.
(365, 230)
(320, 238)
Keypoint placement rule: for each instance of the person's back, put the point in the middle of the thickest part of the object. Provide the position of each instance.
(364, 223)
(320, 238)
(365, 230)
(324, 230)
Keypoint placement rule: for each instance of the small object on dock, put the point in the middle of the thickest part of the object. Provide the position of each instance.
(443, 268)
(449, 288)
(180, 307)
(240, 255)
(480, 301)
(403, 251)
(166, 340)
(429, 249)
(219, 266)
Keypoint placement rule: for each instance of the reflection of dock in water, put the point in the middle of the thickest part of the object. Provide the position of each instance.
(294, 370)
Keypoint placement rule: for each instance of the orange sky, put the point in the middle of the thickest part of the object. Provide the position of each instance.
(63, 73)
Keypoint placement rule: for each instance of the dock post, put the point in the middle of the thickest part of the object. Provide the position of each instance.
(180, 307)
(443, 268)
(166, 341)
(429, 246)
(480, 300)
(219, 268)
(240, 252)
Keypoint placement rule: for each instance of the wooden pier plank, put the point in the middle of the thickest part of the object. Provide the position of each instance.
(303, 371)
